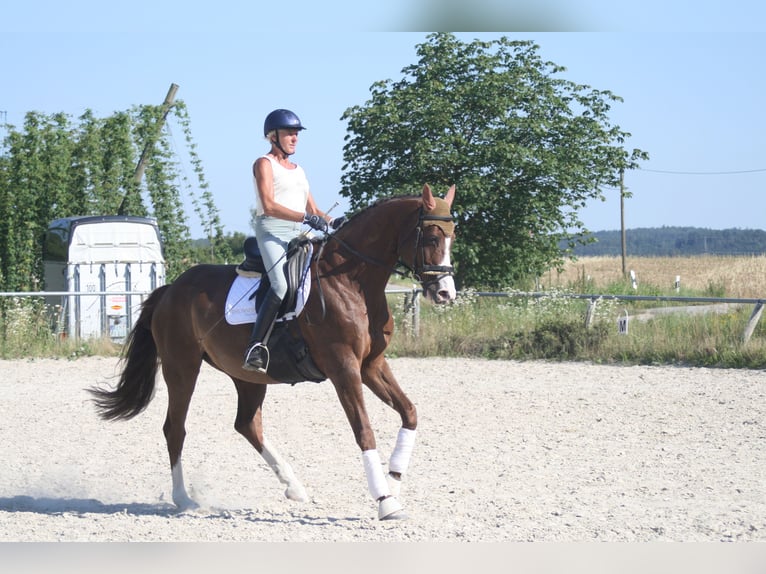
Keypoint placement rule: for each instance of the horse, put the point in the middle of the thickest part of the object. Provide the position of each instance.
(346, 325)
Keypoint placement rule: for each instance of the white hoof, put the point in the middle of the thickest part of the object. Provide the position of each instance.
(390, 509)
(184, 503)
(297, 493)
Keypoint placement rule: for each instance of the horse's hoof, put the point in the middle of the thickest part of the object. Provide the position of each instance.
(390, 509)
(186, 504)
(297, 493)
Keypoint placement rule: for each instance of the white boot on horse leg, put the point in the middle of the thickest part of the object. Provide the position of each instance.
(389, 507)
(283, 470)
(400, 459)
(180, 498)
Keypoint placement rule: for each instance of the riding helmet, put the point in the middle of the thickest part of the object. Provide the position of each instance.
(281, 120)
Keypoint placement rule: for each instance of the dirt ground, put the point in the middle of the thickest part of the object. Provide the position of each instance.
(506, 452)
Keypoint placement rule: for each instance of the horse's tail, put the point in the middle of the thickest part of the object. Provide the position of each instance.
(135, 388)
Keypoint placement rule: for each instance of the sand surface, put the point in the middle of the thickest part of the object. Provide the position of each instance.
(506, 451)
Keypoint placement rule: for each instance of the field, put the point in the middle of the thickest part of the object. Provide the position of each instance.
(716, 276)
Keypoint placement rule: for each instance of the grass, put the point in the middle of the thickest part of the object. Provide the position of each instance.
(26, 330)
(709, 276)
(554, 327)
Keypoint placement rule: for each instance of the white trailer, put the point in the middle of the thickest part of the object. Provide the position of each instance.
(103, 268)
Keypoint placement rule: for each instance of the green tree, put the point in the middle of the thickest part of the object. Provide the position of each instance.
(526, 148)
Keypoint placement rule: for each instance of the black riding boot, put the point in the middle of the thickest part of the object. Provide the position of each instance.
(257, 355)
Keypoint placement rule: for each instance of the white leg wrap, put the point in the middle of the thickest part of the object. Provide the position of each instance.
(400, 458)
(376, 479)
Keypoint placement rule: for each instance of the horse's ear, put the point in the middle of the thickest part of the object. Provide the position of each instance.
(450, 195)
(428, 197)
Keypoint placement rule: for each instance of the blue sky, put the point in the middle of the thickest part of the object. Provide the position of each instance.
(691, 78)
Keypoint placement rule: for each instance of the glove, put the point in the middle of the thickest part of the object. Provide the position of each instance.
(337, 222)
(315, 222)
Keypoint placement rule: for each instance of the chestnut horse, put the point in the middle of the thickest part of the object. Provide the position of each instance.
(346, 325)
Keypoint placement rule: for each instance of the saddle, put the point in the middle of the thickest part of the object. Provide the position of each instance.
(290, 359)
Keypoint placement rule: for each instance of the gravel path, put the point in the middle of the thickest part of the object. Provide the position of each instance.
(506, 451)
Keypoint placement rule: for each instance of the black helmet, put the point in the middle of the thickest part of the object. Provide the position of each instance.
(281, 120)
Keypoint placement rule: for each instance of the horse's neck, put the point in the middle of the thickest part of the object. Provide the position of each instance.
(384, 226)
(377, 235)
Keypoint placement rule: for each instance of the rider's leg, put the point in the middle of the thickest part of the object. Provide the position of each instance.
(273, 237)
(257, 354)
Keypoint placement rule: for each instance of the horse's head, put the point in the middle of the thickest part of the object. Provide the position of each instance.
(433, 267)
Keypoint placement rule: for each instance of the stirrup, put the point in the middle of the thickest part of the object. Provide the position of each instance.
(257, 358)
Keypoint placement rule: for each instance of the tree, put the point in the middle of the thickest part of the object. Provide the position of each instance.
(526, 148)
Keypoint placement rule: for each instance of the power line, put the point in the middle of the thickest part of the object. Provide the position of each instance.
(702, 172)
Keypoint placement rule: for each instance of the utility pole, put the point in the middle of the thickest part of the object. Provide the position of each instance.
(138, 174)
(622, 222)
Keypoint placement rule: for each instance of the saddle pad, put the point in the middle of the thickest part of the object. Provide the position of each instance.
(240, 308)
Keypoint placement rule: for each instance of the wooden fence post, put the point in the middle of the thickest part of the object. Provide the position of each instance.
(757, 312)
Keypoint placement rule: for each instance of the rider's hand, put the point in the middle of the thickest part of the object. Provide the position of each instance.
(337, 222)
(315, 222)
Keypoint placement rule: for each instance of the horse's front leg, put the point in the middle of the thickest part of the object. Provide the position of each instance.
(379, 378)
(349, 389)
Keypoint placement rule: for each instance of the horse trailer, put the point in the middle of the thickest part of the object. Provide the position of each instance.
(98, 270)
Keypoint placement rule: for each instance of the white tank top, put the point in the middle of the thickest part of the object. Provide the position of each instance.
(291, 187)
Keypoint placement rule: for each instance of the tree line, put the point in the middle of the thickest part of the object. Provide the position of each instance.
(675, 241)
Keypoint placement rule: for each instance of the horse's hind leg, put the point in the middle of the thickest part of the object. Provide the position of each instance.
(181, 380)
(249, 424)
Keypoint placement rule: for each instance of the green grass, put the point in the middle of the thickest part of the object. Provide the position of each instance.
(26, 330)
(554, 328)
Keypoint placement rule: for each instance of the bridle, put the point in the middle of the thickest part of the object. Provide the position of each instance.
(418, 271)
(428, 274)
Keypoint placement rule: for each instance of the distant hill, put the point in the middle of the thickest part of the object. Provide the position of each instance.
(677, 241)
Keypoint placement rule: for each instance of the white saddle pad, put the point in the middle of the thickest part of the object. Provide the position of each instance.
(240, 308)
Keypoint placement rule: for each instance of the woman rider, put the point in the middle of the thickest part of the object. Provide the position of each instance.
(283, 203)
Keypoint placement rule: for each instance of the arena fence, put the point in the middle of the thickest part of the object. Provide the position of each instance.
(411, 305)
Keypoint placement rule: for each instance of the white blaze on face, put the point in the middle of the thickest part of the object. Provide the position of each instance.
(445, 289)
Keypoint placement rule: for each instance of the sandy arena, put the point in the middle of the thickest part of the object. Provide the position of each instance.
(507, 451)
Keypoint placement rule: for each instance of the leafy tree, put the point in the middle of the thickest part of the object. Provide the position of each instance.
(526, 148)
